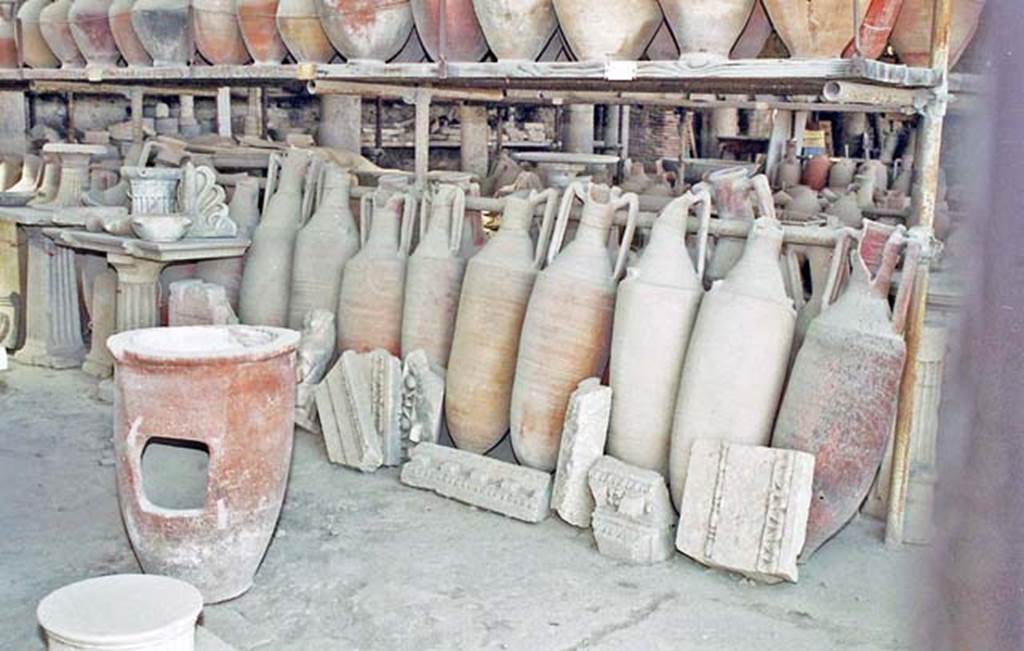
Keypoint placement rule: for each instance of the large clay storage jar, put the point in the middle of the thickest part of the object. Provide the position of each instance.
(34, 50)
(8, 43)
(231, 391)
(517, 30)
(840, 403)
(912, 36)
(372, 30)
(655, 310)
(302, 33)
(609, 30)
(495, 293)
(90, 27)
(568, 323)
(218, 36)
(53, 22)
(322, 248)
(373, 282)
(464, 40)
(164, 29)
(708, 27)
(433, 280)
(258, 20)
(815, 30)
(267, 278)
(132, 49)
(739, 351)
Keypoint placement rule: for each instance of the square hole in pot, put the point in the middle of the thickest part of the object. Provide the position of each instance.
(175, 472)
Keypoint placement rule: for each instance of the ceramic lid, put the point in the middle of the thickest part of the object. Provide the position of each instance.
(203, 344)
(121, 609)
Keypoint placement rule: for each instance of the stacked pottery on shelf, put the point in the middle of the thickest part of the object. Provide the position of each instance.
(303, 35)
(121, 28)
(463, 38)
(8, 39)
(258, 22)
(34, 50)
(517, 30)
(90, 27)
(164, 27)
(912, 35)
(707, 28)
(815, 30)
(217, 34)
(609, 31)
(374, 30)
(56, 29)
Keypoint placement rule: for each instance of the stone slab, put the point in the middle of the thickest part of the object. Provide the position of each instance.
(196, 302)
(745, 508)
(316, 348)
(584, 436)
(633, 517)
(515, 491)
(422, 402)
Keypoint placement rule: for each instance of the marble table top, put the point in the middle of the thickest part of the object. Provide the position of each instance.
(186, 249)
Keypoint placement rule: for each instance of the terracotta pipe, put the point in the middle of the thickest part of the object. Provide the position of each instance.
(875, 29)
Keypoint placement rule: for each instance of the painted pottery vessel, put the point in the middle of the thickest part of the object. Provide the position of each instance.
(322, 248)
(267, 278)
(516, 30)
(708, 27)
(373, 30)
(495, 292)
(8, 43)
(34, 50)
(613, 30)
(231, 390)
(731, 191)
(912, 35)
(217, 34)
(164, 29)
(90, 27)
(244, 210)
(840, 403)
(814, 30)
(258, 22)
(464, 39)
(303, 35)
(373, 281)
(655, 310)
(738, 354)
(56, 29)
(132, 49)
(568, 323)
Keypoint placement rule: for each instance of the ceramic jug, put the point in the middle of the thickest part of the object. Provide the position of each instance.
(815, 30)
(257, 20)
(433, 281)
(131, 48)
(841, 174)
(217, 33)
(164, 28)
(373, 281)
(244, 210)
(707, 27)
(322, 248)
(374, 30)
(790, 170)
(731, 191)
(655, 310)
(90, 27)
(464, 40)
(567, 329)
(266, 280)
(34, 50)
(56, 29)
(840, 403)
(495, 293)
(516, 30)
(739, 350)
(8, 41)
(302, 33)
(609, 30)
(912, 35)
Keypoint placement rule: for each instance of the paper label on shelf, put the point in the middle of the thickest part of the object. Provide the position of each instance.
(620, 70)
(93, 73)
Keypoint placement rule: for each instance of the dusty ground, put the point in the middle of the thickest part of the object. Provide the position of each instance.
(363, 562)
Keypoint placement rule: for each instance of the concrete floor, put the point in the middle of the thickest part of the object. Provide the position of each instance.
(363, 562)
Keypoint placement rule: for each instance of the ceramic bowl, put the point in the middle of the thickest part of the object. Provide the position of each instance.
(161, 228)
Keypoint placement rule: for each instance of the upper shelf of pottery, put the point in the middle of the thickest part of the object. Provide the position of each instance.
(677, 45)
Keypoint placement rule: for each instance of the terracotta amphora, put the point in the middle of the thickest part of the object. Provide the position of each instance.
(8, 42)
(464, 40)
(517, 30)
(816, 172)
(267, 278)
(912, 36)
(731, 191)
(164, 27)
(819, 29)
(739, 350)
(840, 403)
(707, 27)
(655, 311)
(373, 281)
(132, 49)
(56, 29)
(217, 33)
(495, 293)
(373, 30)
(229, 390)
(433, 280)
(34, 50)
(90, 27)
(303, 35)
(244, 210)
(322, 248)
(568, 323)
(258, 22)
(609, 30)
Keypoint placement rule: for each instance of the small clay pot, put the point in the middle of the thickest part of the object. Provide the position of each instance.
(34, 50)
(258, 21)
(816, 172)
(164, 29)
(120, 17)
(53, 22)
(217, 33)
(90, 27)
(302, 33)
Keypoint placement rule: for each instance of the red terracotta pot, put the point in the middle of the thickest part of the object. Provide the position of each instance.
(464, 40)
(258, 21)
(912, 36)
(120, 15)
(218, 36)
(816, 171)
(90, 27)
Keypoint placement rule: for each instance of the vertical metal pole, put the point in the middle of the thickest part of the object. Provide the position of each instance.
(422, 137)
(924, 199)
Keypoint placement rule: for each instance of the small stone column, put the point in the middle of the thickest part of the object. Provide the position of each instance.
(53, 327)
(475, 134)
(187, 122)
(341, 122)
(74, 171)
(137, 282)
(579, 129)
(99, 362)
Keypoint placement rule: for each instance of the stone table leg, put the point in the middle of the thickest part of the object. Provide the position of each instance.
(53, 325)
(136, 291)
(99, 362)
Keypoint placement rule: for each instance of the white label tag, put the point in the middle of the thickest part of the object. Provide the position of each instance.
(620, 70)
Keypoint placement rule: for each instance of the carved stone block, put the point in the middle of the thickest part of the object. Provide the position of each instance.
(633, 517)
(745, 508)
(316, 348)
(194, 302)
(422, 402)
(358, 403)
(516, 491)
(583, 439)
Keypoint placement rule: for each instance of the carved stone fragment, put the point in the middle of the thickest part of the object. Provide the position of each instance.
(583, 439)
(316, 348)
(516, 491)
(194, 302)
(633, 516)
(422, 401)
(745, 508)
